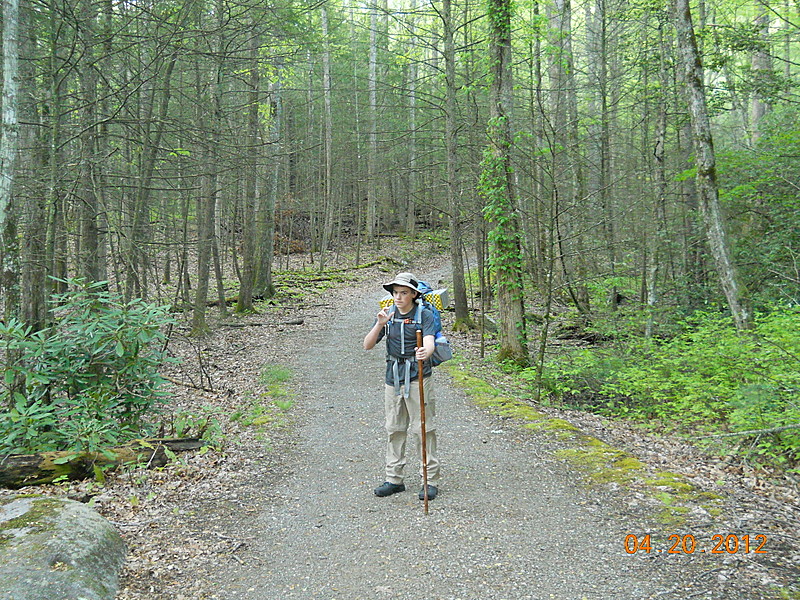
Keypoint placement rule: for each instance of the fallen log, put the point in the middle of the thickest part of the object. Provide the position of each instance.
(20, 470)
(243, 325)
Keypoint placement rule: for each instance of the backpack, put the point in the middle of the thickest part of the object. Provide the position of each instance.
(432, 300)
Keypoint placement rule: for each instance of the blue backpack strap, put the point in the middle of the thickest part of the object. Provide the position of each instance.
(405, 388)
(392, 313)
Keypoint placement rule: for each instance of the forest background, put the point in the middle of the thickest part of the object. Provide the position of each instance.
(624, 173)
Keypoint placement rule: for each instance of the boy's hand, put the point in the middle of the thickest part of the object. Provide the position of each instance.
(422, 353)
(383, 316)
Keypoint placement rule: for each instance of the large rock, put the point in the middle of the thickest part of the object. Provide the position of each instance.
(55, 549)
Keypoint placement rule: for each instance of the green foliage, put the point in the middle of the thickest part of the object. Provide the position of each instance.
(500, 13)
(601, 288)
(27, 423)
(766, 236)
(274, 376)
(578, 376)
(267, 410)
(504, 238)
(708, 376)
(89, 379)
(202, 423)
(277, 397)
(284, 405)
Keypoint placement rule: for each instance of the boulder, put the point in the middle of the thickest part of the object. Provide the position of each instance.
(57, 549)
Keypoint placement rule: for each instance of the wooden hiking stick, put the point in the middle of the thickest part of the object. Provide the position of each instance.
(423, 441)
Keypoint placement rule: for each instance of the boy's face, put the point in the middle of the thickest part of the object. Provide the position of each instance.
(403, 297)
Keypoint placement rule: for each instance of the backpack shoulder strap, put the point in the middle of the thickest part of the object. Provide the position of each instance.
(392, 313)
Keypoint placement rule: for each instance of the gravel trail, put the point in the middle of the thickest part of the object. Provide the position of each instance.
(510, 522)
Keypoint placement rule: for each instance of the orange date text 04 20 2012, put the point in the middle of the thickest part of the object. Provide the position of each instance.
(719, 543)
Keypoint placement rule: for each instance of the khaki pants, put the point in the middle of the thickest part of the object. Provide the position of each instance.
(402, 423)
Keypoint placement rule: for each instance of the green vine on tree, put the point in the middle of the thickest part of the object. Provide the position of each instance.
(499, 14)
(504, 237)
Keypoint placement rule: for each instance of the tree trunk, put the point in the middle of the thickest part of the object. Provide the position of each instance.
(327, 183)
(535, 222)
(88, 241)
(566, 175)
(137, 258)
(245, 302)
(55, 234)
(463, 318)
(761, 69)
(222, 304)
(372, 157)
(9, 268)
(266, 211)
(497, 185)
(656, 243)
(411, 204)
(597, 25)
(705, 162)
(31, 205)
(207, 202)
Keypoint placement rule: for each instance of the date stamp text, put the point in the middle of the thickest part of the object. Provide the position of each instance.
(719, 543)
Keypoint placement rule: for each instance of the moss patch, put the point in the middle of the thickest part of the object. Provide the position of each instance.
(678, 496)
(270, 409)
(35, 517)
(294, 286)
(671, 518)
(552, 425)
(602, 463)
(33, 520)
(599, 462)
(673, 481)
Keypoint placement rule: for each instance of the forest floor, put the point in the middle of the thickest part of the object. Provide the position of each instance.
(283, 506)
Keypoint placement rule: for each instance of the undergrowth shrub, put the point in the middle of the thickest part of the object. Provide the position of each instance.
(88, 380)
(709, 377)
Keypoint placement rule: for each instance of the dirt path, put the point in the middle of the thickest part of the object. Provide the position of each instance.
(510, 522)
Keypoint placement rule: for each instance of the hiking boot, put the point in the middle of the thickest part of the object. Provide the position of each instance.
(387, 489)
(432, 491)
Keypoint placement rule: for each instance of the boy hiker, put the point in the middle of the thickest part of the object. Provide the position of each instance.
(401, 396)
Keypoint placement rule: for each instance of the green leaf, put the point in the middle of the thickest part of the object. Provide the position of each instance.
(99, 474)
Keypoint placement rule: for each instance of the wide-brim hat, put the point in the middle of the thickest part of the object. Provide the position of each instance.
(404, 279)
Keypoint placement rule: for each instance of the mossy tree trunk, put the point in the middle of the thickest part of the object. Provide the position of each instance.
(498, 189)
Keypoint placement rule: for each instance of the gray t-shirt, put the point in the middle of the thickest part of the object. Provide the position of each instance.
(405, 347)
